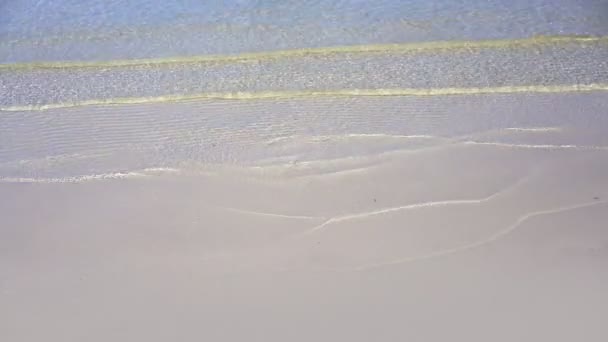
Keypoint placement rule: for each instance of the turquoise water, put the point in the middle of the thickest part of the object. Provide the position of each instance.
(34, 30)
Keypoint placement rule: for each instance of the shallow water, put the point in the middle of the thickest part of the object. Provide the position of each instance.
(97, 89)
(286, 136)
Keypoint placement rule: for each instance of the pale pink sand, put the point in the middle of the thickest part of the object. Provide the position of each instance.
(463, 242)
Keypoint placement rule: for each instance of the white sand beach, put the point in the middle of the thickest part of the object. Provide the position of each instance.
(336, 172)
(493, 229)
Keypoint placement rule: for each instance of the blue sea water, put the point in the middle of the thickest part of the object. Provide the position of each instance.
(34, 30)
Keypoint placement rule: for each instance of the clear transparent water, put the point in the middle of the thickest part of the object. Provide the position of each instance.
(56, 122)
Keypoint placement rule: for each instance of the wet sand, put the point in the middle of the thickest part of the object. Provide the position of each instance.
(483, 219)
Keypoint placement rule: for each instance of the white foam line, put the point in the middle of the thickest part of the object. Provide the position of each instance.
(74, 179)
(86, 178)
(534, 129)
(379, 135)
(413, 206)
(355, 135)
(308, 164)
(276, 215)
(510, 229)
(411, 136)
(291, 94)
(162, 170)
(354, 160)
(340, 173)
(455, 142)
(541, 147)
